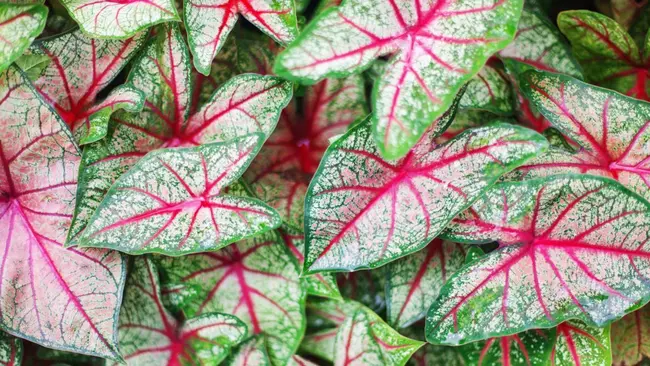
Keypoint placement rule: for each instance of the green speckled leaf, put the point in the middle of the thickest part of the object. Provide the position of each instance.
(320, 344)
(414, 281)
(171, 202)
(561, 238)
(150, 335)
(360, 209)
(19, 26)
(11, 350)
(579, 344)
(251, 352)
(209, 22)
(489, 91)
(436, 47)
(533, 347)
(256, 280)
(365, 340)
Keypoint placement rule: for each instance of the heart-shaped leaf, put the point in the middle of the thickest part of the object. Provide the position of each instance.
(176, 205)
(209, 22)
(560, 240)
(607, 53)
(611, 129)
(252, 352)
(364, 339)
(149, 334)
(19, 25)
(579, 344)
(11, 350)
(360, 209)
(75, 69)
(533, 347)
(320, 284)
(414, 281)
(489, 90)
(432, 56)
(245, 104)
(283, 169)
(61, 298)
(631, 338)
(256, 280)
(119, 19)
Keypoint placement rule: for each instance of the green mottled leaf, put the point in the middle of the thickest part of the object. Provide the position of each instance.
(489, 91)
(533, 347)
(119, 19)
(209, 22)
(611, 130)
(631, 338)
(560, 240)
(414, 281)
(360, 208)
(256, 280)
(149, 334)
(171, 203)
(320, 344)
(69, 71)
(19, 25)
(579, 344)
(11, 350)
(245, 104)
(436, 47)
(607, 53)
(284, 167)
(364, 339)
(251, 352)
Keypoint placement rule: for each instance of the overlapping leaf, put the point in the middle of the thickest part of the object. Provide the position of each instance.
(72, 73)
(11, 350)
(245, 104)
(119, 18)
(62, 298)
(414, 282)
(171, 202)
(360, 209)
(607, 53)
(631, 338)
(281, 173)
(611, 129)
(580, 344)
(19, 25)
(436, 47)
(149, 334)
(255, 280)
(533, 347)
(490, 91)
(209, 22)
(364, 339)
(252, 352)
(561, 239)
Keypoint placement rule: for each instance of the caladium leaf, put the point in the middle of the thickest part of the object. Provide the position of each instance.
(364, 339)
(560, 239)
(11, 350)
(631, 338)
(119, 19)
(175, 205)
(608, 54)
(320, 284)
(381, 198)
(256, 280)
(283, 169)
(252, 352)
(149, 334)
(73, 71)
(579, 344)
(245, 104)
(490, 91)
(623, 11)
(533, 347)
(19, 26)
(611, 129)
(209, 22)
(414, 281)
(296, 360)
(436, 355)
(432, 58)
(70, 297)
(320, 344)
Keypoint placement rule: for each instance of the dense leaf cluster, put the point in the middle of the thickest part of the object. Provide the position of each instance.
(356, 182)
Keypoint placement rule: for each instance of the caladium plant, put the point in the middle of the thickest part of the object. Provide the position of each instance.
(346, 182)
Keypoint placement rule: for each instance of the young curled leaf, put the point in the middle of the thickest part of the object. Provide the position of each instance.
(435, 48)
(361, 210)
(171, 202)
(561, 239)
